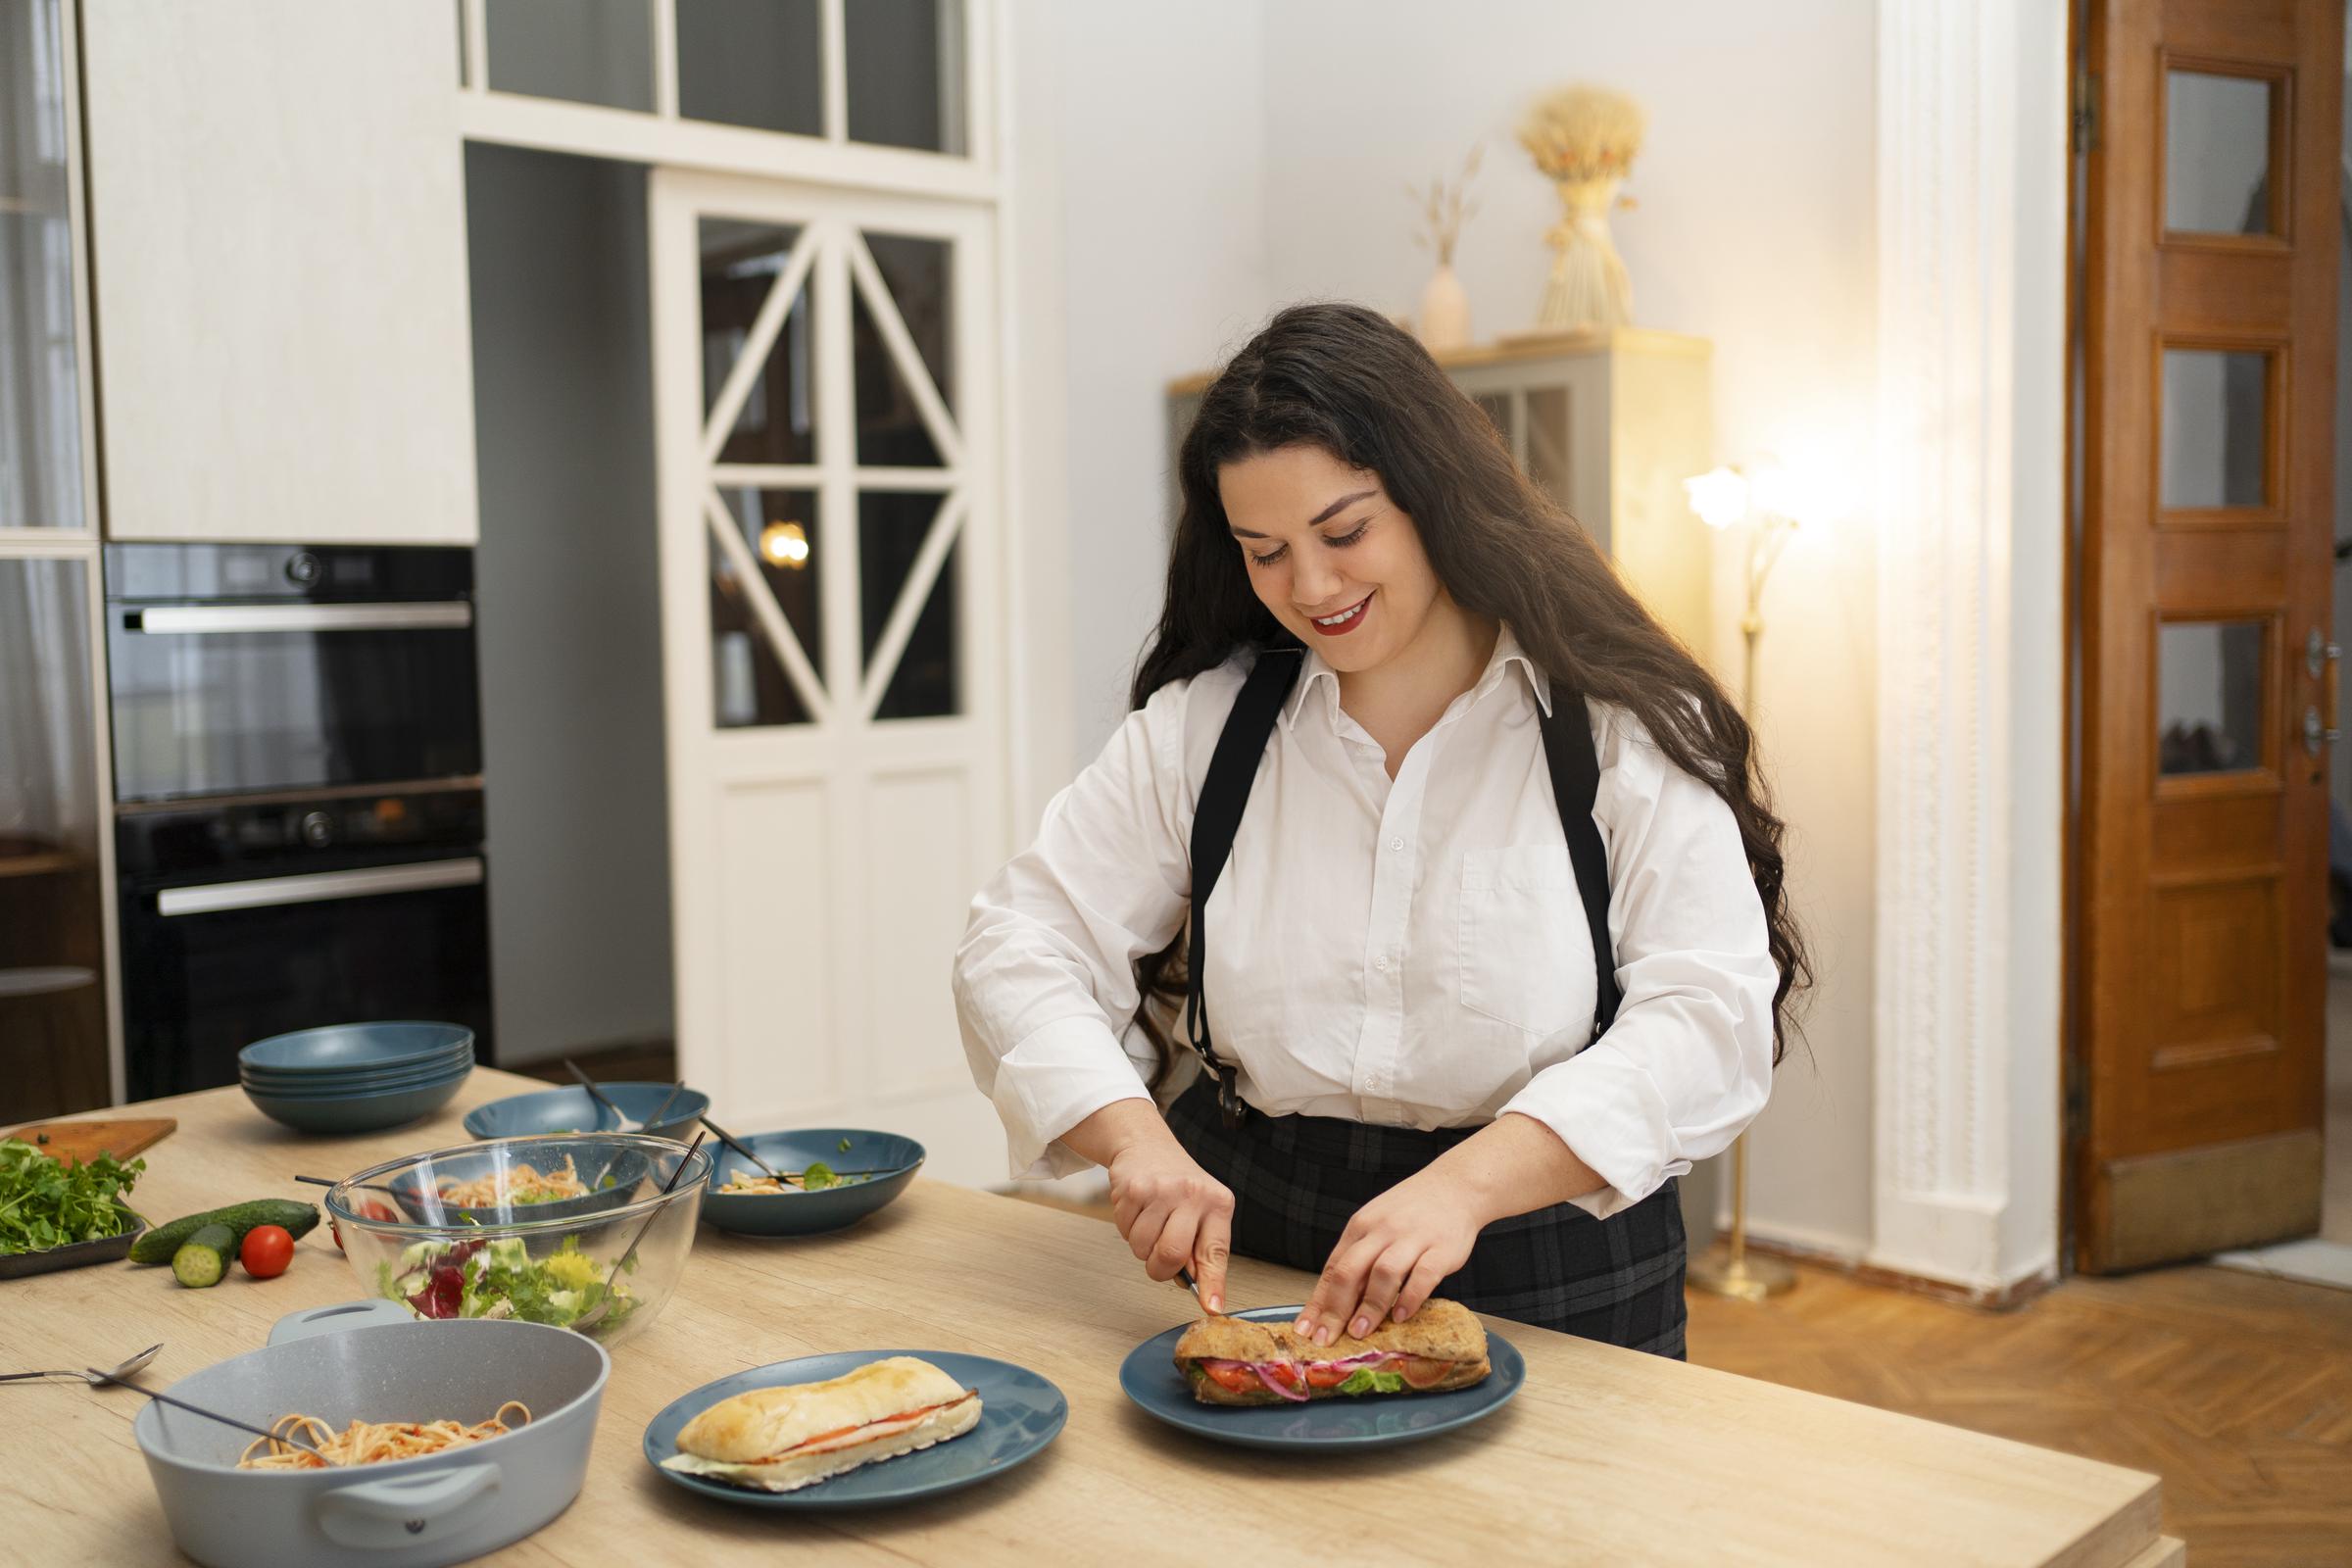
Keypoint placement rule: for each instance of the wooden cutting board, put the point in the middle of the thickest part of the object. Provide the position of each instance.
(74, 1142)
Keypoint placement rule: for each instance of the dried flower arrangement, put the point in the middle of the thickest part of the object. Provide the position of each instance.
(1583, 132)
(1583, 139)
(1444, 209)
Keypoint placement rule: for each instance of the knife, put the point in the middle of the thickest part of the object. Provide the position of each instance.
(1184, 1277)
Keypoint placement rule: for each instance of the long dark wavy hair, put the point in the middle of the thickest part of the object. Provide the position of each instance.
(1346, 379)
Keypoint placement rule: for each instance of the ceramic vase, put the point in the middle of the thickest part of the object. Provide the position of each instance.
(1444, 320)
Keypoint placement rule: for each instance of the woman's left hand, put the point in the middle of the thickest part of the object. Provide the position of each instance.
(1392, 1254)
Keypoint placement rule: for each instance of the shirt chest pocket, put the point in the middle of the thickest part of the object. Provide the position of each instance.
(1525, 953)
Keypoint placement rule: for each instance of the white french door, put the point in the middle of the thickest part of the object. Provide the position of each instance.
(825, 370)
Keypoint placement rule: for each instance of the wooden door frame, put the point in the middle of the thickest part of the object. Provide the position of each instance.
(2092, 906)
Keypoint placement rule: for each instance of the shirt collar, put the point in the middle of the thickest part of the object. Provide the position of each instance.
(1315, 673)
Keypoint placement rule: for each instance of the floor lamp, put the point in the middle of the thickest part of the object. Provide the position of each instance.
(1724, 498)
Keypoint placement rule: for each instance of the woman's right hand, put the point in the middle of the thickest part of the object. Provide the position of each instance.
(1172, 1212)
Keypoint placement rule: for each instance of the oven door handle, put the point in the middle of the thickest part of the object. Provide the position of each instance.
(319, 886)
(195, 619)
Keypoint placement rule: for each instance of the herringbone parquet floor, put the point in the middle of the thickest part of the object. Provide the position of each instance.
(2236, 1389)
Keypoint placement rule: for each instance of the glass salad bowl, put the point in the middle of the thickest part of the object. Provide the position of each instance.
(572, 1230)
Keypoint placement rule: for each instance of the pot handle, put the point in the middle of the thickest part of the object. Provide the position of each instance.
(410, 1511)
(335, 1319)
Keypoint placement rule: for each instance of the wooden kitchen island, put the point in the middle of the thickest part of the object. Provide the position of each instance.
(1607, 1456)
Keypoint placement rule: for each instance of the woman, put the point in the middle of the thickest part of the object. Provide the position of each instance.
(1394, 991)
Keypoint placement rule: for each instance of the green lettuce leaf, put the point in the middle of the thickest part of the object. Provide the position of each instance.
(1364, 1380)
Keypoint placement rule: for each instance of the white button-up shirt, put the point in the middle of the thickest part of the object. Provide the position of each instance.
(1406, 953)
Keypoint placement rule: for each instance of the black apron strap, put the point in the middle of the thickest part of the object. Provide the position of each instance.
(1575, 784)
(1224, 796)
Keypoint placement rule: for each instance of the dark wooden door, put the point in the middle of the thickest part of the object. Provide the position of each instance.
(2208, 239)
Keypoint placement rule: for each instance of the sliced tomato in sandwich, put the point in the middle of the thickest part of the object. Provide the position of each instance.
(1324, 1374)
(1420, 1372)
(1234, 1377)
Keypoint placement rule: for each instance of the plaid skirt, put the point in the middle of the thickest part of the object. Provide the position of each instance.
(1297, 1179)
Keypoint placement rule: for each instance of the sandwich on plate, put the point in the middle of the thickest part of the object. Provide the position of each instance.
(1230, 1360)
(783, 1439)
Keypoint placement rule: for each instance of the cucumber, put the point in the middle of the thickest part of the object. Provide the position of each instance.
(159, 1245)
(203, 1258)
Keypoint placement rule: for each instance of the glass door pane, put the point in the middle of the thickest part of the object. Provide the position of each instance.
(53, 1048)
(2209, 696)
(586, 51)
(757, 63)
(906, 73)
(2215, 429)
(40, 395)
(2216, 154)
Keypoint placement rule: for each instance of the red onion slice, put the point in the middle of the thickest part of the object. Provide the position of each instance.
(1294, 1396)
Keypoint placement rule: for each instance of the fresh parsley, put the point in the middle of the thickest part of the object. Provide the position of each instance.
(44, 1204)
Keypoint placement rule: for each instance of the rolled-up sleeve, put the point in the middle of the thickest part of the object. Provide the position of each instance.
(1044, 976)
(1687, 1062)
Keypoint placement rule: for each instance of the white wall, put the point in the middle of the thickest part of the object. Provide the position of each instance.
(569, 614)
(1224, 160)
(1163, 170)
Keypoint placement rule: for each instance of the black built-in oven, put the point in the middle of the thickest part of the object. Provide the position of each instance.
(245, 919)
(241, 670)
(299, 819)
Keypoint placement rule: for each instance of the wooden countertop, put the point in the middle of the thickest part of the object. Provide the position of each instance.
(1607, 1456)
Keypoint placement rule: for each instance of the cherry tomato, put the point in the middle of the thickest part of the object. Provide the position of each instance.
(370, 1209)
(267, 1251)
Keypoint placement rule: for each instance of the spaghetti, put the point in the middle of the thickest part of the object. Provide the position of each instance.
(522, 1184)
(369, 1442)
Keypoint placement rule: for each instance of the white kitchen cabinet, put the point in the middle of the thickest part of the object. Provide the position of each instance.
(278, 214)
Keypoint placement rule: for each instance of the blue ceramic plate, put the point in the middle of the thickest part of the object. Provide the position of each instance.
(1150, 1379)
(353, 1044)
(356, 1113)
(829, 1209)
(1019, 1414)
(571, 1111)
(358, 1084)
(304, 1078)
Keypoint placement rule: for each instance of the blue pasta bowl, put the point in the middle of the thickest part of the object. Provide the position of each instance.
(570, 1110)
(870, 1170)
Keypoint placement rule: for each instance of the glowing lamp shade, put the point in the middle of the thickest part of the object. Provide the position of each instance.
(784, 544)
(1719, 497)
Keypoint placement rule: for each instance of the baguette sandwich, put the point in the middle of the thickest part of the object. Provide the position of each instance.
(782, 1439)
(1230, 1360)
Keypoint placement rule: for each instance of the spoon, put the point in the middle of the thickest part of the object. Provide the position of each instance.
(605, 1099)
(127, 1369)
(97, 1377)
(743, 1149)
(589, 1318)
(329, 1181)
(662, 1109)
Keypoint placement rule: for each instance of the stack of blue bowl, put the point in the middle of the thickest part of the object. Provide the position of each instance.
(356, 1077)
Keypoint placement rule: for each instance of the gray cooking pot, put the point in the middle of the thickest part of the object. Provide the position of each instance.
(411, 1513)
